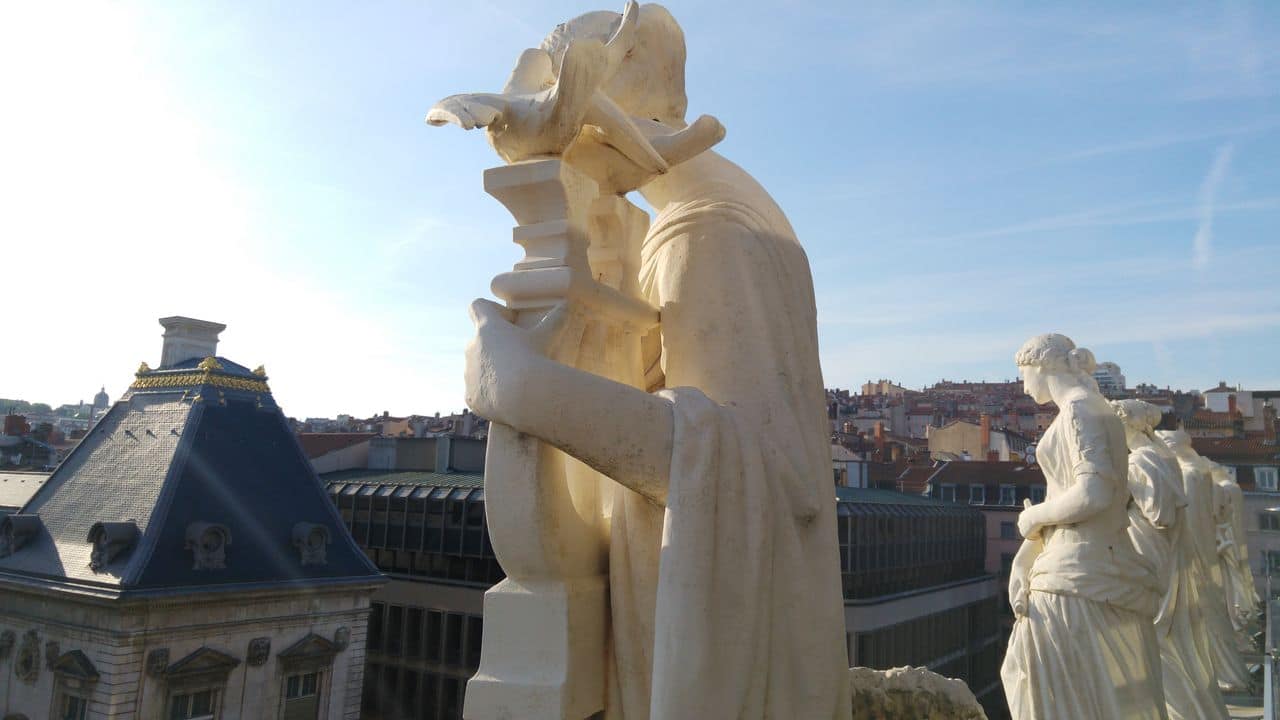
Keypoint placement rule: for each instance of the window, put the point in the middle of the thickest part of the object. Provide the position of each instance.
(977, 494)
(1008, 495)
(948, 493)
(1265, 478)
(1269, 521)
(1006, 564)
(1273, 560)
(301, 696)
(1008, 531)
(194, 705)
(1037, 494)
(72, 707)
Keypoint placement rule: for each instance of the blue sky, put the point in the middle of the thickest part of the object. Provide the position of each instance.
(962, 175)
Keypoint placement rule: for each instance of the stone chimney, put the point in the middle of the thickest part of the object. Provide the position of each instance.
(880, 439)
(985, 423)
(1231, 406)
(186, 338)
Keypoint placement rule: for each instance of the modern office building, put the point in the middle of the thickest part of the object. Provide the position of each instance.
(916, 591)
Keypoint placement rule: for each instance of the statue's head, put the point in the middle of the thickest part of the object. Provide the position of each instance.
(650, 81)
(1051, 354)
(1137, 415)
(1175, 439)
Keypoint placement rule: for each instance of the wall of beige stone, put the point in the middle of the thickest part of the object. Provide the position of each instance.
(117, 638)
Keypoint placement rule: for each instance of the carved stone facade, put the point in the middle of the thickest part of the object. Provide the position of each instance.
(104, 658)
(120, 593)
(208, 545)
(259, 651)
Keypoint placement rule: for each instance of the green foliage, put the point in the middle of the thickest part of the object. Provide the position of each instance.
(22, 407)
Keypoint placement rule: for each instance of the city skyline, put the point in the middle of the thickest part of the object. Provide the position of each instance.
(961, 179)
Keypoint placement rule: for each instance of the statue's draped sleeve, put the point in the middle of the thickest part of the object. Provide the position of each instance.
(748, 573)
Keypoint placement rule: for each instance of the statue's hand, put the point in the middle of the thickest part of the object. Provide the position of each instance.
(1028, 523)
(503, 358)
(1019, 591)
(598, 153)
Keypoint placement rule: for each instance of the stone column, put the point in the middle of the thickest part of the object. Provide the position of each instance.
(544, 648)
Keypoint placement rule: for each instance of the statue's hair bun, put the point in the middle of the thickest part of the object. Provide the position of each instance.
(1081, 360)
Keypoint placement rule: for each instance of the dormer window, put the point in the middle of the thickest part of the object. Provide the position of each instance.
(16, 531)
(110, 540)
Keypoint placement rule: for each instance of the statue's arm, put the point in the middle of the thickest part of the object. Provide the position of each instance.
(1094, 487)
(620, 431)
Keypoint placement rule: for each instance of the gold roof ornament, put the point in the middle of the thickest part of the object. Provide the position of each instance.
(143, 368)
(209, 364)
(260, 371)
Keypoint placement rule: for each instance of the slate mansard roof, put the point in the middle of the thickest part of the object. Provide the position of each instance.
(194, 446)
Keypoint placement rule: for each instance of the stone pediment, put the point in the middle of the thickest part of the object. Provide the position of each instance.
(75, 664)
(310, 652)
(203, 664)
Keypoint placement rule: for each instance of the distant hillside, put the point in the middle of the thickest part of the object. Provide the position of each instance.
(22, 407)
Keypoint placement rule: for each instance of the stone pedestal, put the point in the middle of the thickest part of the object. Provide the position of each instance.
(544, 649)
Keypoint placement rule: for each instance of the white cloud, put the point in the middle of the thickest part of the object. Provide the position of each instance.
(1202, 244)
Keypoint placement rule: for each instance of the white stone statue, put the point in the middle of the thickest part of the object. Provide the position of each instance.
(1083, 645)
(1233, 554)
(715, 510)
(1204, 513)
(1158, 529)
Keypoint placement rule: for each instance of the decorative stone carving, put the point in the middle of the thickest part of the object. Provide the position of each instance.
(7, 640)
(1083, 641)
(157, 661)
(342, 638)
(26, 666)
(208, 545)
(312, 652)
(202, 667)
(16, 531)
(311, 540)
(74, 666)
(51, 653)
(911, 692)
(259, 651)
(575, 436)
(110, 540)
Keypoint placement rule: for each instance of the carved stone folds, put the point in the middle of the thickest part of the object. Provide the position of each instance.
(208, 545)
(26, 666)
(311, 540)
(157, 661)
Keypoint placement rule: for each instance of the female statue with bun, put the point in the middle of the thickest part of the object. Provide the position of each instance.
(1083, 645)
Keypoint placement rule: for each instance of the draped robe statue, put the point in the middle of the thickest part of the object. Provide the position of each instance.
(1227, 662)
(1233, 554)
(1083, 645)
(723, 569)
(1158, 526)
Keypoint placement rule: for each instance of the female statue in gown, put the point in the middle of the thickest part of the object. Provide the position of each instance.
(1083, 645)
(1228, 664)
(1158, 527)
(724, 571)
(1233, 552)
